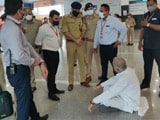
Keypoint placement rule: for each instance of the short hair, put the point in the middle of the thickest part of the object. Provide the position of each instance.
(53, 12)
(153, 1)
(11, 6)
(119, 63)
(106, 6)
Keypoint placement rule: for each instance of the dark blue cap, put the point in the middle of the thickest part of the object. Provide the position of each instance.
(88, 5)
(76, 5)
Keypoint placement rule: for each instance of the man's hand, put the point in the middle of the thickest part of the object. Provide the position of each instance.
(90, 107)
(94, 50)
(79, 42)
(44, 70)
(140, 46)
(97, 87)
(116, 43)
(144, 23)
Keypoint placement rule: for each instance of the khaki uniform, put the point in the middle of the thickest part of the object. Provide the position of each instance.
(74, 26)
(91, 22)
(130, 30)
(31, 31)
(2, 76)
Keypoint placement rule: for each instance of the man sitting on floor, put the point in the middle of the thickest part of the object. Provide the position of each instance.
(121, 91)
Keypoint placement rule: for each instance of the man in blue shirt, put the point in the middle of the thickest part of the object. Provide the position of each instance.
(18, 56)
(149, 41)
(106, 36)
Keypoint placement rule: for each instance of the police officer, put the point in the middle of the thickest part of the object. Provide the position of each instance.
(74, 30)
(90, 19)
(31, 27)
(2, 78)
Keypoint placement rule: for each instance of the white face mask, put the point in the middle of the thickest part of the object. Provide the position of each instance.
(151, 8)
(29, 17)
(101, 15)
(89, 12)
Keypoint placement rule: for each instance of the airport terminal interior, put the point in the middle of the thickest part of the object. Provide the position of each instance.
(73, 104)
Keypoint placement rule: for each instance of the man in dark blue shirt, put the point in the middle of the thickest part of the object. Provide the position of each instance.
(149, 41)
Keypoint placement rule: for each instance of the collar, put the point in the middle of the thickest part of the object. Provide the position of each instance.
(13, 19)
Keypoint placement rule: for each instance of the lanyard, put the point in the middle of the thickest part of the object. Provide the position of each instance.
(54, 30)
(19, 25)
(148, 18)
(103, 22)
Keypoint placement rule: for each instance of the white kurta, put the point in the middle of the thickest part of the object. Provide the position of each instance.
(121, 91)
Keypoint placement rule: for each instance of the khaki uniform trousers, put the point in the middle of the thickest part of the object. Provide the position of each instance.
(89, 56)
(72, 50)
(130, 35)
(2, 76)
(33, 82)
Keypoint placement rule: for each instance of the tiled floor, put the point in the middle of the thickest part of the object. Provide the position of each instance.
(73, 105)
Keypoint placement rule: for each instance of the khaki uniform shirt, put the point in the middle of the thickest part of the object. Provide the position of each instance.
(31, 30)
(73, 25)
(91, 23)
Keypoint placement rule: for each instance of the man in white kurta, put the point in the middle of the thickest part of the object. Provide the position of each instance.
(121, 91)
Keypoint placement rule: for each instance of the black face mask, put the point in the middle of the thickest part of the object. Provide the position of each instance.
(75, 13)
(55, 23)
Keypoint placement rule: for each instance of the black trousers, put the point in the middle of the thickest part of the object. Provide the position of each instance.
(107, 54)
(149, 56)
(52, 60)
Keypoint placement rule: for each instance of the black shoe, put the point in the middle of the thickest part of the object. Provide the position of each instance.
(53, 97)
(59, 91)
(144, 86)
(128, 44)
(44, 117)
(100, 83)
(70, 87)
(99, 77)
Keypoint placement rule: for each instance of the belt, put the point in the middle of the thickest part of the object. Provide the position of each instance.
(68, 40)
(89, 40)
(17, 66)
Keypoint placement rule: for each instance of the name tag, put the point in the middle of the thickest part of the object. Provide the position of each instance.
(154, 18)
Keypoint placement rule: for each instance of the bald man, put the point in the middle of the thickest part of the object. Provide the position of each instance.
(121, 91)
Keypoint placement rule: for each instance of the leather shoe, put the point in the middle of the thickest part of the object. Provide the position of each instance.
(85, 84)
(53, 97)
(70, 87)
(144, 86)
(44, 117)
(59, 91)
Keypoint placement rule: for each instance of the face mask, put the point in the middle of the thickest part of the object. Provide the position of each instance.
(75, 13)
(151, 8)
(101, 15)
(89, 12)
(29, 17)
(55, 23)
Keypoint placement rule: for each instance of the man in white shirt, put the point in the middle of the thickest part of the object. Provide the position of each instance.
(48, 38)
(106, 36)
(121, 91)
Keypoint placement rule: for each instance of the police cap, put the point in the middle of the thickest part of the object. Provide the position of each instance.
(88, 5)
(76, 5)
